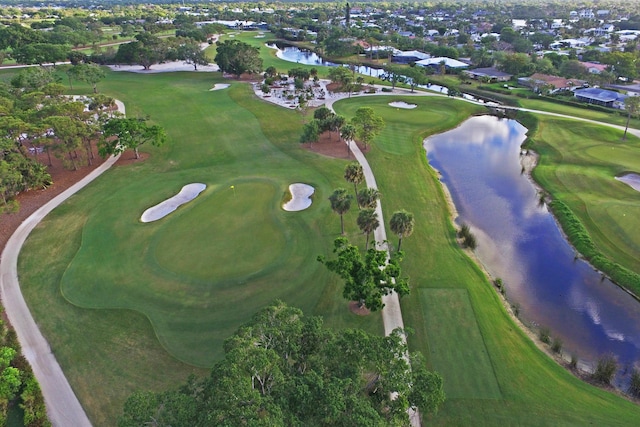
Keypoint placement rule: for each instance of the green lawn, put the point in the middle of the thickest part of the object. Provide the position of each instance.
(531, 388)
(156, 310)
(173, 290)
(457, 350)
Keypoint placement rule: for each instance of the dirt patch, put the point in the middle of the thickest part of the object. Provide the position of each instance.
(244, 77)
(129, 157)
(355, 308)
(31, 200)
(330, 145)
(334, 87)
(62, 178)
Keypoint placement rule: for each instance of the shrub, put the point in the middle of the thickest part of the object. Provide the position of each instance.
(516, 309)
(545, 335)
(634, 384)
(468, 239)
(606, 368)
(573, 364)
(556, 345)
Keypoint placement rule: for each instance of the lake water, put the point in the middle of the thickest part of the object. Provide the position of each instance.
(520, 242)
(307, 57)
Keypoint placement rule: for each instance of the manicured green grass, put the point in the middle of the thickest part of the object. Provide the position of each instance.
(457, 349)
(107, 353)
(159, 308)
(578, 165)
(534, 389)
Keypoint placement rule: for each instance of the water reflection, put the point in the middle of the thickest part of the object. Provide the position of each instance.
(520, 242)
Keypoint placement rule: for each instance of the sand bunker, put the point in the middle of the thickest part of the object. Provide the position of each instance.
(219, 86)
(300, 197)
(186, 194)
(402, 105)
(631, 179)
(166, 67)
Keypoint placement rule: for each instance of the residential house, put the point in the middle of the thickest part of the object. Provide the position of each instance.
(539, 82)
(593, 67)
(437, 63)
(409, 57)
(606, 98)
(492, 73)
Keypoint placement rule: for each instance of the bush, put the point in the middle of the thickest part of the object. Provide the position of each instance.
(545, 335)
(556, 345)
(634, 384)
(468, 239)
(606, 368)
(573, 364)
(516, 309)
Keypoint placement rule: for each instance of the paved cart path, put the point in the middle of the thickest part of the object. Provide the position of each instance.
(63, 407)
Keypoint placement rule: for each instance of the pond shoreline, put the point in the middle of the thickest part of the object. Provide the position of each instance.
(528, 160)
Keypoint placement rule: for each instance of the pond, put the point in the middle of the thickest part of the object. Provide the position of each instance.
(520, 242)
(307, 57)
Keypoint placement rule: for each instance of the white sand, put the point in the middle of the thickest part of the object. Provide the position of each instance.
(219, 86)
(402, 105)
(300, 197)
(631, 179)
(186, 194)
(167, 67)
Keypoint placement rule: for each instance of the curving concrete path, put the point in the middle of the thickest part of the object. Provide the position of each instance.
(63, 407)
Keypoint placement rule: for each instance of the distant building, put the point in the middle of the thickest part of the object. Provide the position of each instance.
(409, 57)
(492, 73)
(538, 81)
(436, 63)
(593, 67)
(606, 98)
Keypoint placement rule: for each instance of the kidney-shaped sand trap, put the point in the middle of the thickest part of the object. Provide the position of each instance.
(186, 194)
(219, 86)
(401, 104)
(631, 179)
(300, 197)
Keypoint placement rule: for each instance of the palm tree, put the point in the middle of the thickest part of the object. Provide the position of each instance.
(631, 104)
(348, 132)
(368, 221)
(402, 223)
(368, 197)
(353, 173)
(340, 204)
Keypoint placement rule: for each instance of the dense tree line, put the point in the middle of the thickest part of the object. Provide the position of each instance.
(38, 122)
(283, 368)
(18, 386)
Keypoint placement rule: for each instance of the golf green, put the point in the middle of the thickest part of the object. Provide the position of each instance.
(183, 245)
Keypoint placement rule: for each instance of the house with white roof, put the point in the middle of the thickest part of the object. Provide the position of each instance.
(439, 61)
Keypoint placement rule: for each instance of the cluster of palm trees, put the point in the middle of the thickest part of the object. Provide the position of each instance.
(401, 223)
